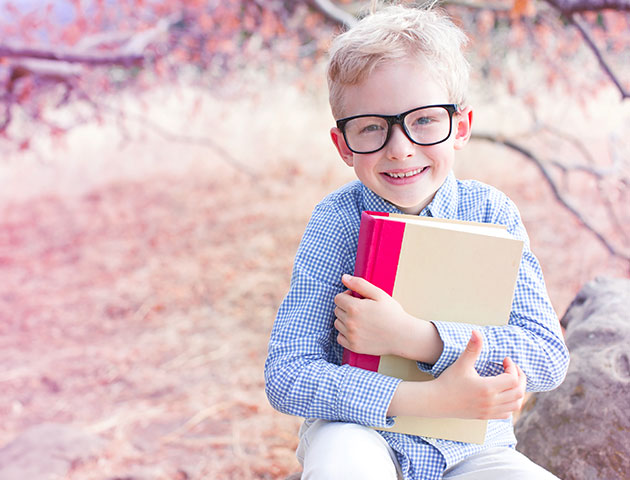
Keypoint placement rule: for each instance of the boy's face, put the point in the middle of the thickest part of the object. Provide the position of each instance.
(402, 172)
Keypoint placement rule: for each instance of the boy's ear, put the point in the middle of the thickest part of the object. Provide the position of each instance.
(463, 127)
(344, 152)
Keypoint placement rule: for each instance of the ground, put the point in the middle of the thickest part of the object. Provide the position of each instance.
(139, 309)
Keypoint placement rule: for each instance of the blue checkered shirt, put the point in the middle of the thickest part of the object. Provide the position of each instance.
(303, 371)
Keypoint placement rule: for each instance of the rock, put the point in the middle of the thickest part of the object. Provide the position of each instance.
(581, 430)
(47, 451)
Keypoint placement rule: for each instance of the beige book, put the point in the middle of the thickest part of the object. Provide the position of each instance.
(440, 270)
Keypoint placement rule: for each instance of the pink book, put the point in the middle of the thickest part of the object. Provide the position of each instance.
(377, 261)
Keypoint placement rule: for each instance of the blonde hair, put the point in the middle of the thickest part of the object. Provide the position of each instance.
(398, 33)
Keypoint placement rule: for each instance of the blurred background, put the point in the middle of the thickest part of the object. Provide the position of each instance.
(159, 160)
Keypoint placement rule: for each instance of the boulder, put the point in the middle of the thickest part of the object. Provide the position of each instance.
(581, 430)
(47, 451)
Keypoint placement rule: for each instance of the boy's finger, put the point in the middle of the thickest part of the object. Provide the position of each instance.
(471, 352)
(343, 341)
(344, 299)
(361, 286)
(509, 366)
(504, 382)
(340, 313)
(340, 327)
(341, 299)
(507, 382)
(510, 400)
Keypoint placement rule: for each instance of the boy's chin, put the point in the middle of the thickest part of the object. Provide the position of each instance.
(412, 206)
(410, 209)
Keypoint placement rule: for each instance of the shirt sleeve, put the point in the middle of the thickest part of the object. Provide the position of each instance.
(302, 372)
(532, 339)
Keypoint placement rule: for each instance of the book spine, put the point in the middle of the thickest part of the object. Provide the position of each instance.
(377, 257)
(369, 234)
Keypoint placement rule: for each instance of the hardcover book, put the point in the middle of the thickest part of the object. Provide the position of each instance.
(441, 270)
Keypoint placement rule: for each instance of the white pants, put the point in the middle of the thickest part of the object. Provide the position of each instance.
(337, 450)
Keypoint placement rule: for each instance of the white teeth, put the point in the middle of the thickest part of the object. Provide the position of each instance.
(405, 174)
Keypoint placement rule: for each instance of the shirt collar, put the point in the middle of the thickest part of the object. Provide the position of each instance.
(443, 205)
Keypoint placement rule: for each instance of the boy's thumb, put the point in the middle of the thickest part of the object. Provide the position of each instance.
(473, 349)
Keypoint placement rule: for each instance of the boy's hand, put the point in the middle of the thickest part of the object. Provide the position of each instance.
(377, 325)
(462, 393)
(371, 324)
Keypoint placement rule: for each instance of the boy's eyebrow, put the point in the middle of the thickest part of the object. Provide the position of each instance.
(430, 105)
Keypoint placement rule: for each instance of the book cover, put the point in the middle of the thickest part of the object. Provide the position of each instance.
(442, 270)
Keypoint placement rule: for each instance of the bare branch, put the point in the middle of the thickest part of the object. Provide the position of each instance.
(599, 173)
(569, 7)
(590, 167)
(131, 47)
(333, 12)
(193, 140)
(7, 100)
(8, 50)
(98, 40)
(612, 214)
(599, 56)
(572, 141)
(479, 5)
(177, 138)
(554, 188)
(48, 69)
(570, 10)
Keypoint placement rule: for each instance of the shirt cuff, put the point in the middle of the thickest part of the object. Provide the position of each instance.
(365, 397)
(455, 337)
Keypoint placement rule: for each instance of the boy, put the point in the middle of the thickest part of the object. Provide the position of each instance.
(407, 60)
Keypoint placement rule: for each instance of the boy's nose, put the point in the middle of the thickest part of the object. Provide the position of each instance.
(399, 146)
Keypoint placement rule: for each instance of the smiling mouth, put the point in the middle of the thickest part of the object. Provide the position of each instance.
(410, 173)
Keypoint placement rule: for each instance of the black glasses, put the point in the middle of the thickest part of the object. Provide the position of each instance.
(424, 126)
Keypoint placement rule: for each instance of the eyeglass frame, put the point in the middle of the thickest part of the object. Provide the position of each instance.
(451, 108)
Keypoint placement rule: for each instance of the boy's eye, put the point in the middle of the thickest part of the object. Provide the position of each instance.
(371, 128)
(366, 126)
(428, 117)
(423, 121)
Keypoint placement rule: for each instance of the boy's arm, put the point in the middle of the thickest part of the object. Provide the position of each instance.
(461, 393)
(532, 338)
(376, 324)
(302, 372)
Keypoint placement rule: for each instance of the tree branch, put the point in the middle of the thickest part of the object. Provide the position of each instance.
(569, 7)
(8, 50)
(479, 5)
(599, 56)
(334, 13)
(167, 135)
(130, 51)
(554, 188)
(45, 69)
(7, 100)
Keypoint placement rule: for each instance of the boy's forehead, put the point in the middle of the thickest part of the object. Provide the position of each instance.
(392, 88)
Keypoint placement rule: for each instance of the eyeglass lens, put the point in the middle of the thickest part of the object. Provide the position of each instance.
(424, 126)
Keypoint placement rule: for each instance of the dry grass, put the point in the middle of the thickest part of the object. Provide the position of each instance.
(141, 311)
(139, 306)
